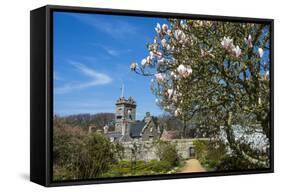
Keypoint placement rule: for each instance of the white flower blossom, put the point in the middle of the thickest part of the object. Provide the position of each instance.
(158, 28)
(183, 24)
(151, 54)
(227, 43)
(165, 27)
(163, 42)
(168, 47)
(177, 112)
(143, 62)
(169, 32)
(236, 51)
(249, 41)
(184, 71)
(159, 77)
(159, 54)
(133, 66)
(260, 52)
(170, 93)
(180, 36)
(148, 60)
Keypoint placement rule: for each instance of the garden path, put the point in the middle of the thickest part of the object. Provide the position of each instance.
(192, 165)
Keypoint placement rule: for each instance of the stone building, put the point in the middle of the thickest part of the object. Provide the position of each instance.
(127, 128)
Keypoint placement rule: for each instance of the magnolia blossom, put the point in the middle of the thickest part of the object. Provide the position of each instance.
(161, 62)
(152, 55)
(158, 28)
(260, 52)
(168, 47)
(143, 62)
(177, 112)
(159, 77)
(164, 42)
(180, 36)
(184, 71)
(170, 93)
(165, 27)
(227, 43)
(169, 32)
(249, 41)
(133, 66)
(236, 51)
(183, 24)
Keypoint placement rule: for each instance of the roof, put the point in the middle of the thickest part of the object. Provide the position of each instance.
(136, 128)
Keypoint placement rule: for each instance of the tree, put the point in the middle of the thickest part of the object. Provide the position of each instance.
(216, 73)
(79, 155)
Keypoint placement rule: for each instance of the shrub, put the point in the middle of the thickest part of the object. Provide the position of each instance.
(209, 153)
(166, 151)
(85, 156)
(160, 166)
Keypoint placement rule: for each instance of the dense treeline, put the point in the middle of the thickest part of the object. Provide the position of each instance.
(84, 121)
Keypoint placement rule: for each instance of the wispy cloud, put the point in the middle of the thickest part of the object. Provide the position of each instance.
(95, 79)
(111, 51)
(117, 29)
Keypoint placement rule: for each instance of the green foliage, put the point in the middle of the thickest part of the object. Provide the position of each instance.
(160, 166)
(166, 151)
(209, 153)
(152, 167)
(201, 149)
(83, 156)
(233, 162)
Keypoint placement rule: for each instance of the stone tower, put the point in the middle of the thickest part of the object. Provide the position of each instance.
(125, 114)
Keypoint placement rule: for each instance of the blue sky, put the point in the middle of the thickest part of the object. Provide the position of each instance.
(92, 55)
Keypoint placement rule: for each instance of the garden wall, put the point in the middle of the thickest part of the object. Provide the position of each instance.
(146, 150)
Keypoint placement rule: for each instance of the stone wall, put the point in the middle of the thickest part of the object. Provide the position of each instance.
(145, 150)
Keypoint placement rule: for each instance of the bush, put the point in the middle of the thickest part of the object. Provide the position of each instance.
(236, 163)
(160, 166)
(124, 168)
(85, 156)
(166, 151)
(209, 153)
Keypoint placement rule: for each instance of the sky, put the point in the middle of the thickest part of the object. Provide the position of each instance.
(92, 57)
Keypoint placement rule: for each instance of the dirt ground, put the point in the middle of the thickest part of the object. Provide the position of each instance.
(192, 165)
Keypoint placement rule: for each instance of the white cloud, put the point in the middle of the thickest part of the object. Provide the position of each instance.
(96, 78)
(112, 52)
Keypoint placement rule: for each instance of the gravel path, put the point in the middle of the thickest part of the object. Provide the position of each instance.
(192, 165)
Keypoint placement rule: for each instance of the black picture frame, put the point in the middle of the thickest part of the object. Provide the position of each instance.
(41, 93)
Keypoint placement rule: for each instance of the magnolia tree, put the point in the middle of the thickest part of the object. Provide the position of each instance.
(217, 74)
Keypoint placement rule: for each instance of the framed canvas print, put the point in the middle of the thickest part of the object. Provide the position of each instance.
(122, 95)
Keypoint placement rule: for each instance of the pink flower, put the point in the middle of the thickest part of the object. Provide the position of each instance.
(236, 51)
(184, 71)
(159, 77)
(249, 41)
(163, 42)
(158, 28)
(227, 43)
